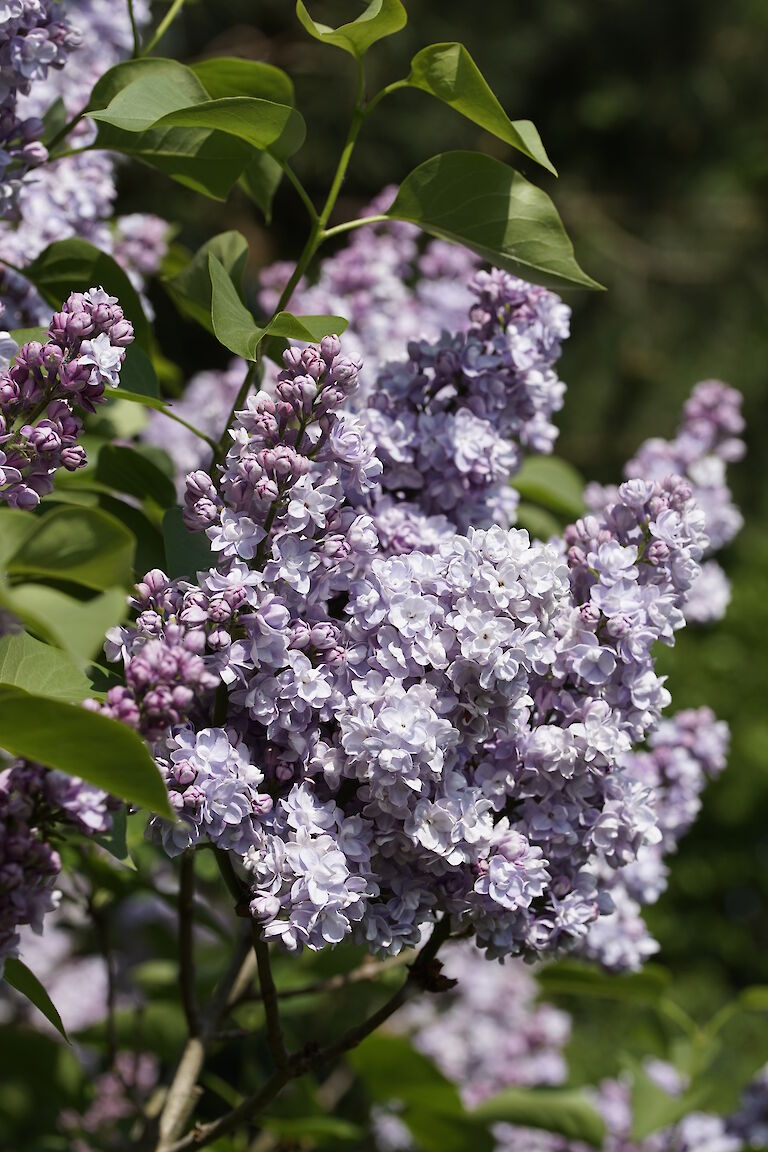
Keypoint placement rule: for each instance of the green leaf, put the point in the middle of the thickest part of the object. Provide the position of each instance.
(29, 664)
(25, 335)
(540, 524)
(78, 626)
(448, 72)
(75, 266)
(653, 1108)
(138, 373)
(553, 483)
(55, 118)
(477, 201)
(130, 470)
(83, 545)
(318, 1129)
(24, 981)
(260, 123)
(15, 527)
(560, 1110)
(578, 979)
(232, 76)
(260, 182)
(236, 329)
(190, 288)
(81, 743)
(186, 553)
(115, 842)
(138, 93)
(381, 18)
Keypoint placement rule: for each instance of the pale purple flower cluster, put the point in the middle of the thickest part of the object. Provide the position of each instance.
(683, 754)
(119, 1095)
(32, 41)
(39, 430)
(707, 440)
(74, 196)
(34, 801)
(451, 420)
(442, 731)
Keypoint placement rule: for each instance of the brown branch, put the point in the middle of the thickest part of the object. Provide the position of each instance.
(423, 974)
(186, 942)
(269, 998)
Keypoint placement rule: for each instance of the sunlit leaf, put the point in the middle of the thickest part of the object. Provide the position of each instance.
(83, 545)
(37, 667)
(479, 202)
(553, 483)
(381, 18)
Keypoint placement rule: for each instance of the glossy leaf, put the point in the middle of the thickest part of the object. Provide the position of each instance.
(553, 483)
(130, 470)
(260, 123)
(36, 667)
(83, 545)
(78, 626)
(236, 329)
(477, 201)
(24, 981)
(75, 266)
(191, 287)
(233, 76)
(381, 18)
(560, 1110)
(186, 553)
(448, 72)
(73, 740)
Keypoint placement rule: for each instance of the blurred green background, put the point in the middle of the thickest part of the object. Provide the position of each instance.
(655, 115)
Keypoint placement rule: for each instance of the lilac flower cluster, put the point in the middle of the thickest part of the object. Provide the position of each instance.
(39, 430)
(393, 738)
(683, 754)
(450, 422)
(707, 440)
(34, 801)
(118, 1096)
(74, 196)
(32, 41)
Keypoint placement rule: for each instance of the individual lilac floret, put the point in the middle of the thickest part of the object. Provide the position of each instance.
(32, 41)
(707, 440)
(39, 430)
(450, 422)
(33, 803)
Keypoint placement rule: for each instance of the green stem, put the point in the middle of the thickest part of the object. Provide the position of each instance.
(350, 225)
(375, 100)
(134, 30)
(303, 194)
(209, 440)
(163, 26)
(64, 132)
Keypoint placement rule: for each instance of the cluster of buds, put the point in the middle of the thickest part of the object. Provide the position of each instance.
(39, 430)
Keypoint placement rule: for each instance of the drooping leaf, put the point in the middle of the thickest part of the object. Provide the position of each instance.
(186, 553)
(55, 118)
(553, 483)
(381, 18)
(115, 841)
(477, 201)
(24, 981)
(135, 94)
(262, 124)
(36, 667)
(78, 626)
(191, 287)
(560, 1110)
(129, 470)
(84, 545)
(448, 72)
(81, 743)
(15, 526)
(233, 76)
(76, 265)
(235, 327)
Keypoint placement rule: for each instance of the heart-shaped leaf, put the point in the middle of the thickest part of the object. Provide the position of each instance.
(448, 72)
(477, 201)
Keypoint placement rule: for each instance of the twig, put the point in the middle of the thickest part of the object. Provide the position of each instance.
(368, 970)
(421, 975)
(269, 998)
(187, 942)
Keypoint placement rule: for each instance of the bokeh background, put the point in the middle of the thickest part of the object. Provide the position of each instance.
(656, 117)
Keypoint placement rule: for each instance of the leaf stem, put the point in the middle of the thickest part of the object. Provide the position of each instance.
(373, 103)
(350, 225)
(134, 31)
(163, 26)
(303, 194)
(269, 998)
